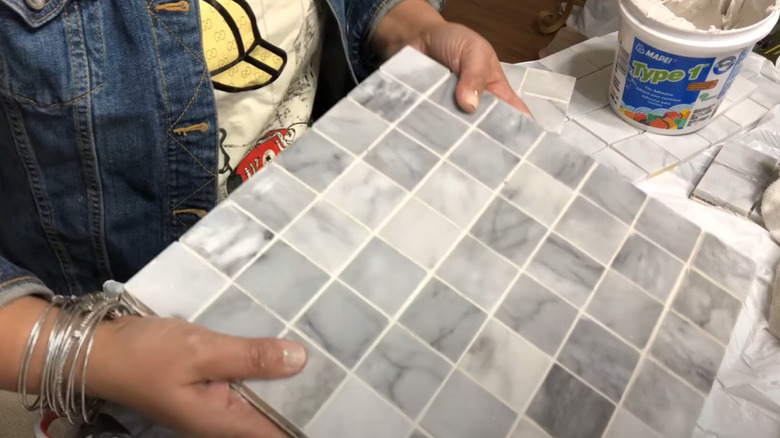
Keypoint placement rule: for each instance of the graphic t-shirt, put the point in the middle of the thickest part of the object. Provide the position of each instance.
(263, 56)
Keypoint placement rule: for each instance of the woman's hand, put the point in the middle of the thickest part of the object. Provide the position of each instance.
(465, 52)
(177, 374)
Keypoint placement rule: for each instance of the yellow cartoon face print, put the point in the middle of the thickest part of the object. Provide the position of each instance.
(236, 55)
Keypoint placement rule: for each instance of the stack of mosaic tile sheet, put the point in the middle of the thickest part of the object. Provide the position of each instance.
(457, 276)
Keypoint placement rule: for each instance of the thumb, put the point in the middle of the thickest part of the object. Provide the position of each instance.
(232, 358)
(473, 77)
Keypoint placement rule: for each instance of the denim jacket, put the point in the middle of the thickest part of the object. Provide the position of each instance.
(94, 179)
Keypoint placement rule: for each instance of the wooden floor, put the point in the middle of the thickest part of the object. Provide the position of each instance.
(510, 25)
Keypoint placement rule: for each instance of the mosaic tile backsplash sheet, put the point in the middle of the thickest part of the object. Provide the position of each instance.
(457, 275)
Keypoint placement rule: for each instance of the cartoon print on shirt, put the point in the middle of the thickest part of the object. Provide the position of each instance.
(238, 58)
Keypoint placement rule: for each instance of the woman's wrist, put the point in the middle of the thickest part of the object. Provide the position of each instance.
(406, 24)
(17, 320)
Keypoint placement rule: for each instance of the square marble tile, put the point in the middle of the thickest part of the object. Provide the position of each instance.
(560, 160)
(599, 51)
(444, 96)
(746, 112)
(625, 425)
(234, 313)
(749, 161)
(612, 159)
(385, 96)
(415, 69)
(719, 129)
(741, 88)
(767, 94)
(432, 126)
(729, 189)
(574, 134)
(366, 194)
(515, 74)
(681, 146)
(352, 126)
(590, 93)
(568, 62)
(402, 159)
(648, 266)
(548, 85)
(607, 126)
(646, 154)
(550, 114)
(508, 231)
(708, 306)
(537, 314)
(515, 130)
(666, 227)
(727, 267)
(484, 159)
(454, 194)
(592, 229)
(315, 160)
(537, 193)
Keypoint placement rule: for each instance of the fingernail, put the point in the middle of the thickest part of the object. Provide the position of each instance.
(294, 356)
(472, 100)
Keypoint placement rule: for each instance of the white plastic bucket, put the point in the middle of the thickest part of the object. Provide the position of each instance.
(671, 81)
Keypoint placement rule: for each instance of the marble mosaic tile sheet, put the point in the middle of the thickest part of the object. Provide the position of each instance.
(546, 94)
(481, 278)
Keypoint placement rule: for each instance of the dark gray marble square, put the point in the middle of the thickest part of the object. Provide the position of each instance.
(708, 306)
(537, 193)
(228, 239)
(404, 370)
(613, 193)
(513, 129)
(234, 313)
(464, 409)
(565, 270)
(592, 229)
(444, 319)
(478, 273)
(352, 126)
(537, 314)
(315, 160)
(355, 411)
(383, 276)
(647, 265)
(667, 228)
(566, 408)
(509, 231)
(454, 194)
(415, 69)
(688, 352)
(444, 95)
(273, 196)
(626, 309)
(385, 96)
(725, 265)
(402, 159)
(599, 358)
(433, 127)
(282, 279)
(342, 324)
(484, 159)
(564, 162)
(298, 398)
(664, 402)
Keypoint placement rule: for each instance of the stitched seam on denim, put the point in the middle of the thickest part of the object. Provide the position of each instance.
(102, 46)
(53, 105)
(194, 158)
(191, 101)
(18, 280)
(201, 59)
(186, 198)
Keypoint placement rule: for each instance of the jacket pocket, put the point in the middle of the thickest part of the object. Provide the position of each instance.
(51, 51)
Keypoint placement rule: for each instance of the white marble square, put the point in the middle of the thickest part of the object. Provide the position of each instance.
(515, 74)
(564, 162)
(484, 159)
(729, 189)
(315, 160)
(515, 130)
(574, 134)
(385, 96)
(508, 231)
(681, 146)
(610, 158)
(749, 161)
(454, 194)
(527, 429)
(590, 93)
(366, 194)
(234, 313)
(432, 126)
(614, 194)
(551, 115)
(646, 154)
(599, 51)
(568, 62)
(741, 87)
(727, 267)
(648, 266)
(767, 94)
(548, 85)
(708, 306)
(351, 126)
(718, 129)
(607, 126)
(415, 69)
(537, 193)
(592, 229)
(625, 425)
(402, 159)
(668, 228)
(746, 112)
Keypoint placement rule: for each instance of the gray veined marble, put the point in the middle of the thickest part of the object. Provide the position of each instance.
(478, 273)
(749, 161)
(537, 193)
(315, 160)
(664, 402)
(384, 96)
(366, 194)
(352, 126)
(506, 364)
(537, 314)
(402, 159)
(415, 69)
(515, 130)
(228, 239)
(484, 159)
(561, 160)
(646, 154)
(708, 306)
(688, 352)
(551, 115)
(444, 319)
(433, 127)
(592, 229)
(626, 309)
(565, 270)
(667, 228)
(625, 425)
(420, 233)
(548, 84)
(383, 276)
(463, 409)
(599, 358)
(355, 412)
(454, 194)
(404, 370)
(177, 283)
(444, 95)
(647, 265)
(509, 231)
(282, 279)
(727, 188)
(725, 265)
(342, 324)
(300, 398)
(326, 235)
(234, 313)
(274, 197)
(614, 194)
(567, 408)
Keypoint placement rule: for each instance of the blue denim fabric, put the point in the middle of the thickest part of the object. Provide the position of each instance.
(93, 180)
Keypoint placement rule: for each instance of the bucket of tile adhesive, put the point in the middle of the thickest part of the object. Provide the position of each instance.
(670, 80)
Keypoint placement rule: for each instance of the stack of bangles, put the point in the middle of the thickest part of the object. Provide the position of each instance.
(62, 389)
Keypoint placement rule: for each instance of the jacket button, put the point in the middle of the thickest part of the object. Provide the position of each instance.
(35, 5)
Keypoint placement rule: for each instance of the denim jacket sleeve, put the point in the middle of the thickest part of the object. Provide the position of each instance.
(363, 17)
(17, 283)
